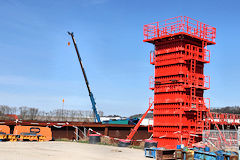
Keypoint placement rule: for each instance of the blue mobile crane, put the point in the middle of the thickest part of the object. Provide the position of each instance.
(95, 113)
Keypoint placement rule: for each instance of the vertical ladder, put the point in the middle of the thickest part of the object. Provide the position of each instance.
(191, 140)
(207, 124)
(193, 98)
(192, 82)
(200, 124)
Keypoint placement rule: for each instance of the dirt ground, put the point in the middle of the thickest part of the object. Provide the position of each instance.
(66, 151)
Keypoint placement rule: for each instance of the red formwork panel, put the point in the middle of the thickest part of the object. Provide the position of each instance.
(170, 88)
(172, 69)
(179, 82)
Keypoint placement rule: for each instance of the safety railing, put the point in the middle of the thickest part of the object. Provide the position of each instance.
(197, 53)
(150, 125)
(179, 55)
(207, 82)
(151, 83)
(152, 57)
(197, 103)
(180, 24)
(226, 118)
(198, 81)
(207, 103)
(151, 102)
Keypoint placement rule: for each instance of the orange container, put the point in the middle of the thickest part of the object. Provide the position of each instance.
(5, 129)
(43, 131)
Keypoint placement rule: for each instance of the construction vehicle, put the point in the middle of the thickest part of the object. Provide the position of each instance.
(95, 113)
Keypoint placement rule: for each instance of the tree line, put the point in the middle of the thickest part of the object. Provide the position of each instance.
(31, 113)
(227, 109)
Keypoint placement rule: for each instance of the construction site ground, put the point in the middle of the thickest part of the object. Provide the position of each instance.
(66, 150)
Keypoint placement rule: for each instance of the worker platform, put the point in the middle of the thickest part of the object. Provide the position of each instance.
(181, 25)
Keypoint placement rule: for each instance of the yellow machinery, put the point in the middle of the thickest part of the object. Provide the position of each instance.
(41, 138)
(12, 137)
(3, 136)
(28, 137)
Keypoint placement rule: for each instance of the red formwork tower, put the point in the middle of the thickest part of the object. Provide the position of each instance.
(179, 82)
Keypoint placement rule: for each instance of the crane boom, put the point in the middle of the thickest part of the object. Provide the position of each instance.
(96, 115)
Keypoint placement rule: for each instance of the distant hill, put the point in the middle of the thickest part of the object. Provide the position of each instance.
(149, 115)
(227, 109)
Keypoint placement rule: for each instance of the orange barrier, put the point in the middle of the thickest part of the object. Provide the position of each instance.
(32, 132)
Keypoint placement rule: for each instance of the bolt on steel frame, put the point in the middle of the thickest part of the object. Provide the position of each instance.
(179, 57)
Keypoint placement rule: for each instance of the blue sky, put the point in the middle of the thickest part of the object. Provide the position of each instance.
(38, 69)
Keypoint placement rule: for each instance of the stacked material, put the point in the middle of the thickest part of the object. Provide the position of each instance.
(190, 154)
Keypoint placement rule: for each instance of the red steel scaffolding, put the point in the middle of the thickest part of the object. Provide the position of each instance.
(180, 111)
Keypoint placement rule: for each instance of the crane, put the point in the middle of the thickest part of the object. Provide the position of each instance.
(94, 108)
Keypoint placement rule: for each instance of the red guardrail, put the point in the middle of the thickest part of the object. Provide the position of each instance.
(176, 25)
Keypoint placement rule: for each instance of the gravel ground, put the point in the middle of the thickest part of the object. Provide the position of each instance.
(66, 151)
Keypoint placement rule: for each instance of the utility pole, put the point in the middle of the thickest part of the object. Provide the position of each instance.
(62, 108)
